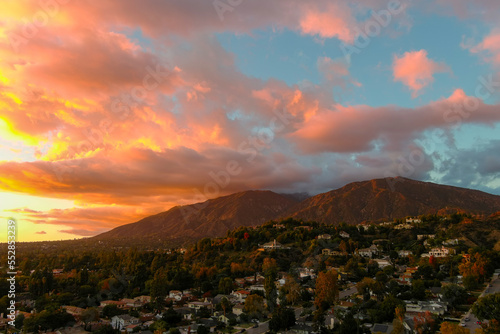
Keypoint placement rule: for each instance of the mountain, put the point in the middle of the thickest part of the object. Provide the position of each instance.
(356, 202)
(391, 198)
(208, 219)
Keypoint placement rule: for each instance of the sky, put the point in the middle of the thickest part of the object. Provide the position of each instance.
(118, 109)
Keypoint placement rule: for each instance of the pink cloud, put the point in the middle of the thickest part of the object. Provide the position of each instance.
(415, 70)
(489, 47)
(40, 232)
(361, 128)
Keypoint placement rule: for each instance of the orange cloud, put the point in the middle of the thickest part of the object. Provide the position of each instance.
(415, 70)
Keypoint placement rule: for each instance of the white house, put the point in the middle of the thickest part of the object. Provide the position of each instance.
(404, 253)
(413, 220)
(175, 294)
(441, 252)
(344, 234)
(272, 245)
(121, 321)
(324, 236)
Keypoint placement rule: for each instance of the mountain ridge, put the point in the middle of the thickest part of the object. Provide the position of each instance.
(372, 200)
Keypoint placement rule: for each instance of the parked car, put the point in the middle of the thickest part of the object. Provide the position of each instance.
(467, 319)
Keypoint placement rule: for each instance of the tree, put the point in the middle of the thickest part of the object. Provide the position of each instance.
(424, 323)
(225, 285)
(270, 269)
(282, 319)
(449, 328)
(327, 289)
(110, 311)
(293, 290)
(202, 330)
(418, 289)
(159, 289)
(487, 307)
(254, 305)
(399, 320)
(88, 316)
(492, 327)
(225, 304)
(454, 294)
(473, 270)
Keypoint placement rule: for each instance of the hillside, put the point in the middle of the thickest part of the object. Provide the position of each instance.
(391, 198)
(208, 219)
(354, 203)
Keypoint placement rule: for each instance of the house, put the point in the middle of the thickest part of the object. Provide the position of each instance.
(382, 328)
(404, 253)
(344, 234)
(306, 273)
(240, 295)
(441, 252)
(227, 318)
(450, 242)
(122, 321)
(368, 252)
(425, 236)
(330, 252)
(118, 304)
(421, 306)
(324, 236)
(130, 328)
(304, 227)
(199, 305)
(272, 245)
(301, 329)
(382, 263)
(238, 309)
(73, 310)
(413, 220)
(279, 226)
(57, 272)
(175, 294)
(403, 227)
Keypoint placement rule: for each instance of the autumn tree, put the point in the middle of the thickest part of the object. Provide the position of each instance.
(399, 320)
(293, 290)
(449, 328)
(424, 323)
(492, 327)
(474, 270)
(254, 305)
(327, 289)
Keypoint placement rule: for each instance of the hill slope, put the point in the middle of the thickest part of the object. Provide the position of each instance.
(208, 219)
(391, 198)
(356, 202)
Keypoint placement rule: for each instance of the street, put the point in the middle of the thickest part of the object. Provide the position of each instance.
(494, 287)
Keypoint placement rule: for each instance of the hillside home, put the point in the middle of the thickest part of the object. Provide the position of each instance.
(344, 234)
(324, 237)
(441, 252)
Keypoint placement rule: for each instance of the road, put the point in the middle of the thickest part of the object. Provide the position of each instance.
(494, 287)
(348, 292)
(263, 327)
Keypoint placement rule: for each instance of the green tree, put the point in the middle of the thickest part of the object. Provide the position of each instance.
(88, 316)
(225, 285)
(487, 307)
